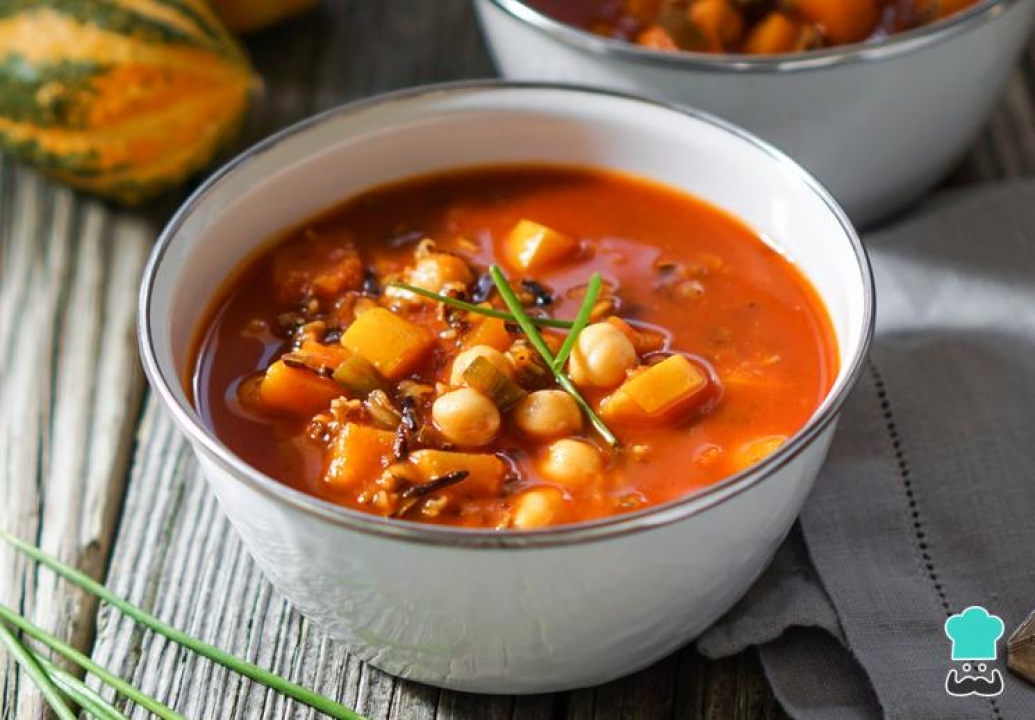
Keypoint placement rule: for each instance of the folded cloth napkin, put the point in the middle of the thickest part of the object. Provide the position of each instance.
(926, 504)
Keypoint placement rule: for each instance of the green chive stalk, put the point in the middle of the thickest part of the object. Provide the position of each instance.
(510, 299)
(480, 310)
(28, 662)
(581, 320)
(80, 693)
(84, 661)
(238, 665)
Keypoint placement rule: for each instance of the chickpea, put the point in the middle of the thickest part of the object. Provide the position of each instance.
(537, 508)
(461, 362)
(572, 463)
(435, 270)
(466, 417)
(546, 414)
(601, 357)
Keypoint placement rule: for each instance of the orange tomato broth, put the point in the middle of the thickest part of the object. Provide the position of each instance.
(753, 27)
(738, 308)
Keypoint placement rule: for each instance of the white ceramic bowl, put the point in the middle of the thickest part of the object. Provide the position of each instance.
(487, 611)
(877, 124)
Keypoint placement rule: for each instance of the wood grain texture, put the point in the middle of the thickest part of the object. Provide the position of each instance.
(68, 422)
(71, 386)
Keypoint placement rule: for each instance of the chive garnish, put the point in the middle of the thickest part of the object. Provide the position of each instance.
(30, 664)
(479, 310)
(238, 665)
(108, 678)
(581, 320)
(514, 305)
(79, 692)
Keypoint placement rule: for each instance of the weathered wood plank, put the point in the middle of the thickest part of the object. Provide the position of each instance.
(69, 266)
(71, 387)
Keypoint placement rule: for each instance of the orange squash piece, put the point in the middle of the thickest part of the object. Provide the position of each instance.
(644, 341)
(664, 392)
(359, 454)
(719, 21)
(324, 266)
(776, 33)
(842, 21)
(755, 451)
(488, 331)
(485, 471)
(393, 344)
(531, 246)
(296, 391)
(328, 356)
(656, 38)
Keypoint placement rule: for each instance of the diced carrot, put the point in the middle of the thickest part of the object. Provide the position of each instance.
(393, 344)
(644, 341)
(531, 246)
(755, 451)
(485, 471)
(776, 33)
(319, 265)
(328, 356)
(656, 38)
(719, 21)
(488, 331)
(359, 454)
(664, 392)
(842, 21)
(296, 390)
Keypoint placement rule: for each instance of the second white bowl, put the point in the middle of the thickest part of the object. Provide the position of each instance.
(877, 124)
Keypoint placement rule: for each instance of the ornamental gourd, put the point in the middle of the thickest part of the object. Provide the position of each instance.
(123, 98)
(245, 16)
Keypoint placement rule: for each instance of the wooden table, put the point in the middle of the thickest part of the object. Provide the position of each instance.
(91, 468)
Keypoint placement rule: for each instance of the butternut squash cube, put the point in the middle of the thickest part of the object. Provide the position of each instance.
(328, 356)
(775, 33)
(485, 471)
(393, 344)
(296, 391)
(488, 331)
(661, 392)
(843, 21)
(755, 451)
(360, 454)
(531, 246)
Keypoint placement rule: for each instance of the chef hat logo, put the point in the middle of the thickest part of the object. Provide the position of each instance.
(974, 633)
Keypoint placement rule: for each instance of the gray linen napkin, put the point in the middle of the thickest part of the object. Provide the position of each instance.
(926, 504)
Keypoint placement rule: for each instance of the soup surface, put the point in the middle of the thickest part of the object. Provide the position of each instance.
(755, 27)
(702, 349)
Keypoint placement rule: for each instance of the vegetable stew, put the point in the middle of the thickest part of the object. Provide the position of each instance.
(753, 27)
(513, 347)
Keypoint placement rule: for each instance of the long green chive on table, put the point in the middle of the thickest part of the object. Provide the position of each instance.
(93, 471)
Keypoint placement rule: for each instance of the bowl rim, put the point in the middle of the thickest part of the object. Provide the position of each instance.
(892, 46)
(185, 416)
